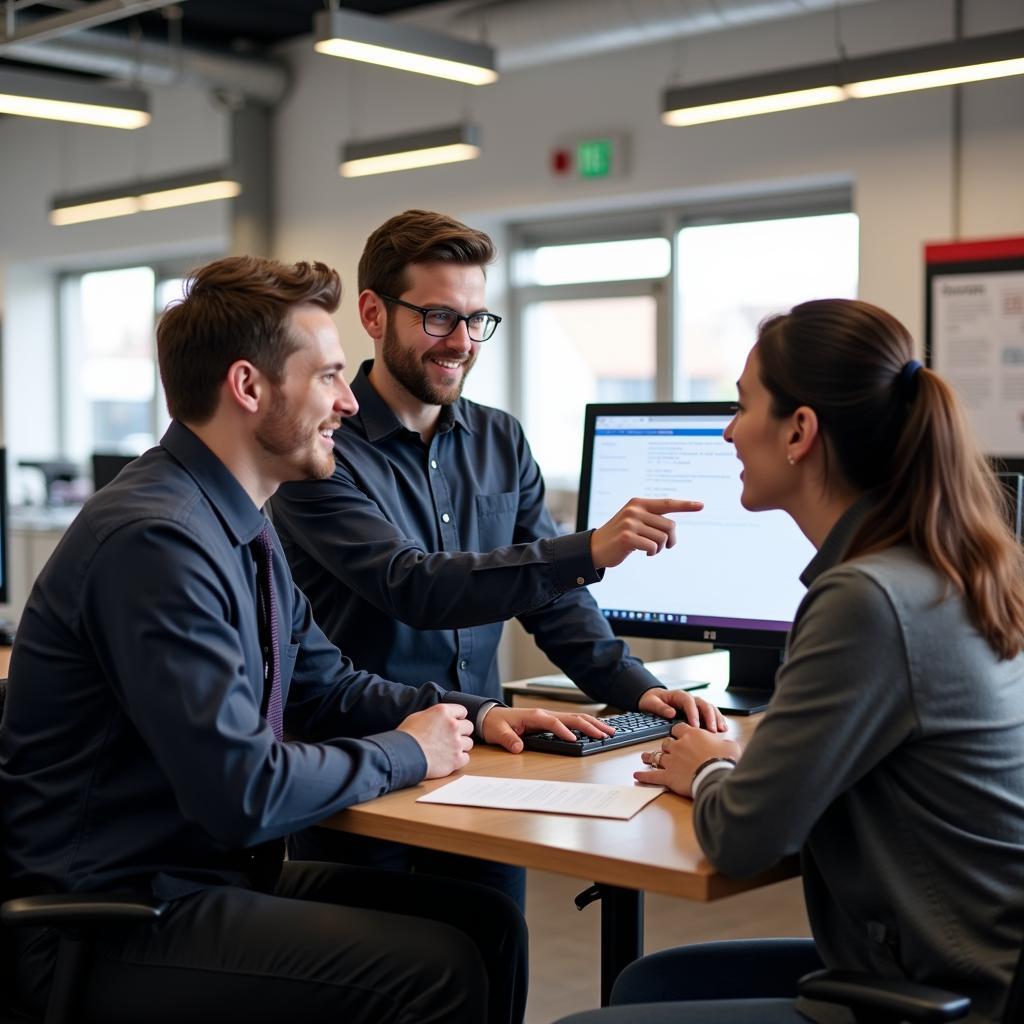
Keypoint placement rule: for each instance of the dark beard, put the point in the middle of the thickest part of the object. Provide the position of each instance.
(407, 368)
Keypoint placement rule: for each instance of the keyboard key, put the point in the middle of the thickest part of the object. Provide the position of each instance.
(631, 727)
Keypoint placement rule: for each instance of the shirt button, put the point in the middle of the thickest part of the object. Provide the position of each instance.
(580, 581)
(445, 518)
(463, 664)
(433, 463)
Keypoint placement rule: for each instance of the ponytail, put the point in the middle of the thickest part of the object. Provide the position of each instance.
(897, 430)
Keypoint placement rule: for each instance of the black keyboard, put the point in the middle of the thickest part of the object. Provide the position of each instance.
(632, 727)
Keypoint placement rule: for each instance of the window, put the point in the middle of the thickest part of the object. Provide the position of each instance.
(111, 395)
(669, 312)
(771, 266)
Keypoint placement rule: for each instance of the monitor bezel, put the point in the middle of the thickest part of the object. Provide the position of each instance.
(720, 636)
(5, 589)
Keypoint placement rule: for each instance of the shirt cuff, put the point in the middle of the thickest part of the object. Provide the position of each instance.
(482, 714)
(707, 771)
(407, 762)
(571, 559)
(474, 705)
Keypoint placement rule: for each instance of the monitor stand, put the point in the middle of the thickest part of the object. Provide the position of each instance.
(751, 680)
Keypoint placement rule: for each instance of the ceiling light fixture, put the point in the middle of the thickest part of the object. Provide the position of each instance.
(143, 196)
(376, 41)
(427, 148)
(65, 98)
(926, 67)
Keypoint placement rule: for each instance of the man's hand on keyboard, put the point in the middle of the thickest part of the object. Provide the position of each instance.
(503, 727)
(684, 707)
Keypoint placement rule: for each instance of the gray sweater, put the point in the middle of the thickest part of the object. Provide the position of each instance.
(892, 758)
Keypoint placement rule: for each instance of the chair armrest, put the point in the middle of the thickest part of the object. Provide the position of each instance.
(872, 996)
(82, 909)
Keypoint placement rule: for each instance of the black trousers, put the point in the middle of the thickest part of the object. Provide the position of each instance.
(345, 848)
(331, 943)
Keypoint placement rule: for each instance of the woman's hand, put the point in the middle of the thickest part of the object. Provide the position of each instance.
(681, 755)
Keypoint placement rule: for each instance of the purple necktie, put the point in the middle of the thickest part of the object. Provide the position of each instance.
(263, 549)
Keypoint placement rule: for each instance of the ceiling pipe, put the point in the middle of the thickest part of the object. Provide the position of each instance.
(58, 42)
(530, 33)
(147, 63)
(99, 12)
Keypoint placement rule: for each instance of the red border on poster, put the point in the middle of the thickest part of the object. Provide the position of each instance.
(976, 251)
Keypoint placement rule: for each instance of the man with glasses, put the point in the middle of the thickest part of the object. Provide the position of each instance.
(432, 531)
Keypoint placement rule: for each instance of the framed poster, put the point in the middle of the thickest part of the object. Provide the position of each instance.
(974, 334)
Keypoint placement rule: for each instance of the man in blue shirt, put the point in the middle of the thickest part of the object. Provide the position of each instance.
(162, 657)
(432, 530)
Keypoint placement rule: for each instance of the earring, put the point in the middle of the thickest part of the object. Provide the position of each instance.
(791, 460)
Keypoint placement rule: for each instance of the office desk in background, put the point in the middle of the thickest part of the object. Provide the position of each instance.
(655, 851)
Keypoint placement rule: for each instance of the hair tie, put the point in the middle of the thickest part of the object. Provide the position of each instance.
(908, 378)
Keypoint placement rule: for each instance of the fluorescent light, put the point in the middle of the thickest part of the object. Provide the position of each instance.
(954, 63)
(376, 41)
(66, 98)
(937, 79)
(403, 152)
(754, 105)
(141, 197)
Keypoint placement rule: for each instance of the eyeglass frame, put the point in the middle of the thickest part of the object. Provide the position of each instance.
(424, 310)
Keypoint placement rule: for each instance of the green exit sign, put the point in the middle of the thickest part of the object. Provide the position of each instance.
(591, 158)
(595, 158)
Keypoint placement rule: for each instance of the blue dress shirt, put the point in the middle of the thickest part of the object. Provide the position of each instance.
(133, 754)
(413, 555)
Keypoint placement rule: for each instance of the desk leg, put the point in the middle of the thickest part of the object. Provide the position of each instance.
(622, 933)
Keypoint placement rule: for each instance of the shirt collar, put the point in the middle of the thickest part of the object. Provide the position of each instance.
(241, 518)
(837, 543)
(378, 419)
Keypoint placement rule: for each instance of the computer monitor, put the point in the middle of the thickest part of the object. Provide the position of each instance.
(732, 578)
(4, 589)
(106, 466)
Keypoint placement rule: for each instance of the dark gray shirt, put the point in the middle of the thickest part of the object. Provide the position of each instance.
(413, 555)
(892, 757)
(133, 753)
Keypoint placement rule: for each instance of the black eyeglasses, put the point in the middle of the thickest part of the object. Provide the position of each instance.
(439, 322)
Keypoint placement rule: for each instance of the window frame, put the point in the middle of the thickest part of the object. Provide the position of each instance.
(656, 221)
(163, 271)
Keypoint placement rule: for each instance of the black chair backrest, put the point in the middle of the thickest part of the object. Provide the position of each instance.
(1014, 1010)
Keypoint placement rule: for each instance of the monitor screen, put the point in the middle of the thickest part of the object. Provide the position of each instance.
(4, 589)
(732, 578)
(106, 466)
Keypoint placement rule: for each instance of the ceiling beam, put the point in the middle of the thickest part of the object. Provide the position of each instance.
(100, 12)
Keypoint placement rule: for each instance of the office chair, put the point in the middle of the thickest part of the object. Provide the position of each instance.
(77, 917)
(880, 1001)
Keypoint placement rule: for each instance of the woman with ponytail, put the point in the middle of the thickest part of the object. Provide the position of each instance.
(892, 754)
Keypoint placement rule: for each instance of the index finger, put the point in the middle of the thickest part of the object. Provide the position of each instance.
(666, 506)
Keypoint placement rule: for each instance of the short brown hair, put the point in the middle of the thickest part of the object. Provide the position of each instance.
(897, 430)
(418, 236)
(234, 308)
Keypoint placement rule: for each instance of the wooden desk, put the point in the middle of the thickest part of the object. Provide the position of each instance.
(5, 661)
(656, 850)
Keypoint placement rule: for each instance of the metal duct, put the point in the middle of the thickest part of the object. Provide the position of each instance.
(534, 32)
(149, 63)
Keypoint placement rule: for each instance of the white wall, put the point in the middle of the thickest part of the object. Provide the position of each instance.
(40, 159)
(896, 152)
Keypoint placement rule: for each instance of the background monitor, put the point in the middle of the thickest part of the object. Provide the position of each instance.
(106, 466)
(4, 589)
(732, 578)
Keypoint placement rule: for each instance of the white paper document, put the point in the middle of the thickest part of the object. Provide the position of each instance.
(586, 798)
